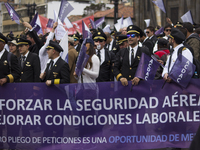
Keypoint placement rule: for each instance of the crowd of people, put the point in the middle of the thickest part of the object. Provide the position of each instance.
(112, 56)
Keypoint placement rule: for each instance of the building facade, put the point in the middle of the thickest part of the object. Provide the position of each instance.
(145, 9)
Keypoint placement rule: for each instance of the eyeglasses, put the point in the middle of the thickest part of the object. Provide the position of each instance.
(147, 32)
(131, 35)
(168, 30)
(75, 40)
(100, 40)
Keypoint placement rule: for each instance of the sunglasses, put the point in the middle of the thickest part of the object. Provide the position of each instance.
(147, 32)
(131, 35)
(75, 39)
(100, 40)
(168, 30)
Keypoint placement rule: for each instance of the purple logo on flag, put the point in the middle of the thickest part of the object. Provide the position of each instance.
(13, 14)
(82, 59)
(182, 71)
(50, 23)
(160, 4)
(99, 22)
(65, 9)
(147, 68)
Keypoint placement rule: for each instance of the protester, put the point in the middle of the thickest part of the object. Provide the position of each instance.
(111, 43)
(72, 57)
(106, 57)
(163, 50)
(57, 71)
(13, 47)
(43, 51)
(145, 41)
(32, 36)
(10, 71)
(77, 44)
(167, 31)
(127, 59)
(175, 40)
(192, 39)
(150, 31)
(161, 54)
(122, 41)
(91, 70)
(29, 62)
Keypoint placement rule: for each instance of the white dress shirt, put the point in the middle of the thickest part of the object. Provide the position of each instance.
(44, 59)
(130, 52)
(1, 53)
(102, 53)
(186, 53)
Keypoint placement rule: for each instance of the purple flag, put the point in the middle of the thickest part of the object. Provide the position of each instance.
(34, 23)
(182, 71)
(13, 14)
(187, 17)
(93, 24)
(147, 68)
(82, 59)
(161, 30)
(65, 9)
(85, 31)
(99, 22)
(50, 23)
(160, 4)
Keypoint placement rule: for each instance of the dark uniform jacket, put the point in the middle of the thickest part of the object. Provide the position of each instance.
(105, 72)
(78, 47)
(11, 72)
(59, 73)
(38, 43)
(149, 44)
(153, 39)
(115, 47)
(31, 68)
(122, 68)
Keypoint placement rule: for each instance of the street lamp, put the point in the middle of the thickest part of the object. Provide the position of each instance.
(31, 10)
(116, 11)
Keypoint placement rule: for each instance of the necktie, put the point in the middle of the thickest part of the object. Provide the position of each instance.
(132, 56)
(51, 65)
(22, 61)
(99, 55)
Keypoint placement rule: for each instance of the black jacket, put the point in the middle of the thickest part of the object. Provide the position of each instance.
(38, 43)
(59, 73)
(9, 68)
(105, 72)
(31, 68)
(122, 68)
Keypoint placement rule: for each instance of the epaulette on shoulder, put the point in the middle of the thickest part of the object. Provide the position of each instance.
(184, 48)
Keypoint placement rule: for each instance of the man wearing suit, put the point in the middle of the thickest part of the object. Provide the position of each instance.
(29, 62)
(57, 70)
(150, 31)
(77, 44)
(10, 71)
(111, 44)
(106, 57)
(127, 59)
